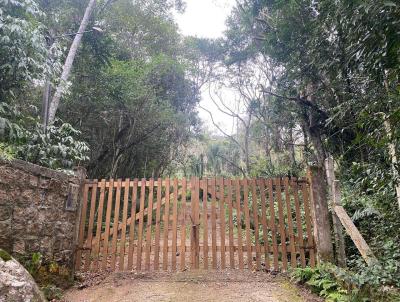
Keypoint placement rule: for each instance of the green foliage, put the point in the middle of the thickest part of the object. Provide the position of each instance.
(50, 277)
(321, 282)
(7, 152)
(56, 148)
(376, 216)
(11, 123)
(23, 137)
(52, 292)
(23, 50)
(335, 75)
(339, 285)
(33, 264)
(384, 273)
(131, 89)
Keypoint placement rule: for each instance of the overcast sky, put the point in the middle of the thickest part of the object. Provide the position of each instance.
(206, 19)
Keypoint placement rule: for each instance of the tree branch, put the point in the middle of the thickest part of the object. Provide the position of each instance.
(220, 129)
(297, 99)
(233, 164)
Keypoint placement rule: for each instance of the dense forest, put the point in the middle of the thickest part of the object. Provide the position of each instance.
(311, 79)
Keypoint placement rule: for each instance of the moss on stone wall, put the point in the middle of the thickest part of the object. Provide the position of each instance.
(4, 255)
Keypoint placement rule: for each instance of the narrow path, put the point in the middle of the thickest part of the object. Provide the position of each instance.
(194, 286)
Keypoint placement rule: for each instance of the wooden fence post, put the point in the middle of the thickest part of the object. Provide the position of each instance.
(320, 214)
(337, 226)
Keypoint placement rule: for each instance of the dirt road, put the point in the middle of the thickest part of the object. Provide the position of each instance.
(194, 286)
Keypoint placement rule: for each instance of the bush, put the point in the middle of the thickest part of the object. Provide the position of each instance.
(57, 147)
(51, 277)
(340, 285)
(52, 292)
(321, 282)
(386, 272)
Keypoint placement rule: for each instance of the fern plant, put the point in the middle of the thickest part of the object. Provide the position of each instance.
(335, 284)
(365, 213)
(322, 283)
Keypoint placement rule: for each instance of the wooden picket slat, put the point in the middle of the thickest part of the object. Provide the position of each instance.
(222, 221)
(213, 225)
(166, 223)
(157, 234)
(261, 186)
(239, 223)
(98, 227)
(174, 224)
(292, 244)
(140, 229)
(194, 234)
(247, 222)
(230, 217)
(132, 226)
(149, 223)
(205, 223)
(254, 201)
(282, 229)
(115, 224)
(300, 241)
(107, 227)
(310, 241)
(82, 227)
(183, 226)
(196, 223)
(123, 229)
(272, 223)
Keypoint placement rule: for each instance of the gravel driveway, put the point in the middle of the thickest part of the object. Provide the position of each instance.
(193, 286)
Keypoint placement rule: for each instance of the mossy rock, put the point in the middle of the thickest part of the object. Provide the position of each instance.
(4, 255)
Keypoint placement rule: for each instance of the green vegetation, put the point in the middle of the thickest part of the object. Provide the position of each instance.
(4, 255)
(131, 94)
(339, 285)
(310, 79)
(51, 277)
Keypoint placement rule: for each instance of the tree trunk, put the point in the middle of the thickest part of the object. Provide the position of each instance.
(320, 214)
(313, 126)
(246, 150)
(69, 61)
(319, 150)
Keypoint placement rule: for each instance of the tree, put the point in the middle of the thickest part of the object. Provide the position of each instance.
(132, 94)
(69, 61)
(336, 67)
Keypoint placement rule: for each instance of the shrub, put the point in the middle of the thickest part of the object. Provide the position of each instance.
(340, 285)
(57, 147)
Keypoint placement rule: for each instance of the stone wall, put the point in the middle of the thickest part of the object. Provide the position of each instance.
(38, 211)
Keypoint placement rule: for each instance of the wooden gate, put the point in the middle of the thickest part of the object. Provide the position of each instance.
(201, 223)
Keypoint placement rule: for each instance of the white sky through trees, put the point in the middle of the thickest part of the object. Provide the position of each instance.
(206, 19)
